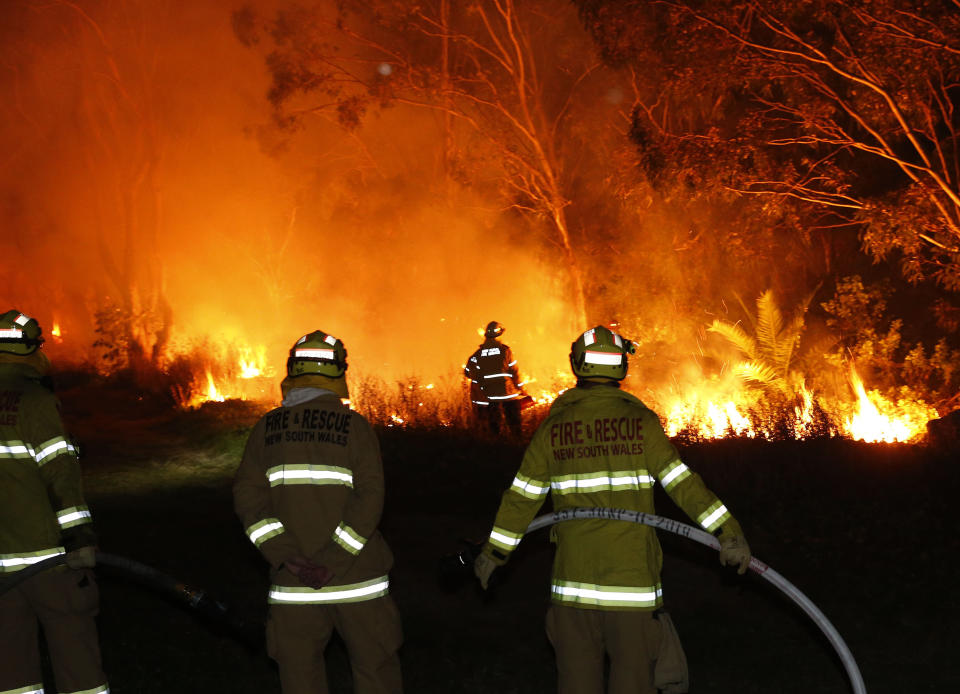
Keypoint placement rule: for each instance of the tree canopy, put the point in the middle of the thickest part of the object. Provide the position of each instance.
(846, 111)
(508, 82)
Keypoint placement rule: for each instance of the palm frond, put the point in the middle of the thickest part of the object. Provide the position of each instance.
(737, 336)
(788, 343)
(769, 324)
(758, 372)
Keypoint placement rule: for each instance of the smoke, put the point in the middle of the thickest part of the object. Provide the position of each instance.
(138, 177)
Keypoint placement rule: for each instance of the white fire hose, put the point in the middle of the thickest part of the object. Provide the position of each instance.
(705, 538)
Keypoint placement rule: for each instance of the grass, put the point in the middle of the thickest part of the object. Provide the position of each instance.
(865, 531)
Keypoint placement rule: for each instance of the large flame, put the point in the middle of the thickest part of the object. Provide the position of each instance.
(870, 417)
(879, 419)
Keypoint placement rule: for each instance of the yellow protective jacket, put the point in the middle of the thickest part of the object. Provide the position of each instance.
(493, 373)
(600, 447)
(42, 508)
(311, 484)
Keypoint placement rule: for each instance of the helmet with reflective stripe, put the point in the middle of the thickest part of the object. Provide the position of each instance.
(317, 353)
(19, 334)
(600, 353)
(494, 329)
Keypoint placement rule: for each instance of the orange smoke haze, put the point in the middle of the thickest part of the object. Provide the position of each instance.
(133, 165)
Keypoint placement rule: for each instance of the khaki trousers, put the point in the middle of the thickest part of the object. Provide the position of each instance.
(582, 637)
(297, 636)
(64, 602)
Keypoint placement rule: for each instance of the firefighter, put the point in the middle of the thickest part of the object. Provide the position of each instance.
(42, 515)
(601, 447)
(309, 491)
(495, 388)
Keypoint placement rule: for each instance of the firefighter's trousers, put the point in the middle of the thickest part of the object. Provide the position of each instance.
(582, 637)
(496, 413)
(64, 602)
(297, 636)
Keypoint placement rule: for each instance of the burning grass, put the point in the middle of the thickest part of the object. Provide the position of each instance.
(690, 414)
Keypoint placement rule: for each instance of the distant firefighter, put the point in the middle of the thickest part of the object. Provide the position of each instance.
(309, 491)
(600, 447)
(495, 388)
(42, 515)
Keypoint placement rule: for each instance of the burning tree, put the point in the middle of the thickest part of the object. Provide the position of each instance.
(506, 80)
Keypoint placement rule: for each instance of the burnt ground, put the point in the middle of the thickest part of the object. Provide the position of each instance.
(868, 532)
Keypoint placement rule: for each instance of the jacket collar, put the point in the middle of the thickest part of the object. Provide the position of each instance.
(593, 391)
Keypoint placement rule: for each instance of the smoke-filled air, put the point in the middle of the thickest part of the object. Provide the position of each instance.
(187, 188)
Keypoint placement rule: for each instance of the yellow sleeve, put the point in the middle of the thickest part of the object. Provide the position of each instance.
(60, 470)
(521, 501)
(683, 485)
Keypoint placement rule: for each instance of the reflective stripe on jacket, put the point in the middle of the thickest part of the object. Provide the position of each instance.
(600, 447)
(42, 508)
(311, 484)
(493, 373)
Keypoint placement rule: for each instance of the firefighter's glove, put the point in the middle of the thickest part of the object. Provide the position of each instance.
(308, 573)
(83, 558)
(734, 551)
(316, 577)
(483, 566)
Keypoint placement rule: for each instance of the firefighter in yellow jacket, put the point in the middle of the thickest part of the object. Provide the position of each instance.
(601, 447)
(42, 514)
(309, 492)
(495, 387)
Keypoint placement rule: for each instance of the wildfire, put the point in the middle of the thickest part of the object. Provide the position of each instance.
(871, 417)
(238, 378)
(212, 394)
(703, 411)
(878, 419)
(253, 362)
(709, 419)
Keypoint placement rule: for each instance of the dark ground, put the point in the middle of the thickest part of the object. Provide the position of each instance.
(868, 532)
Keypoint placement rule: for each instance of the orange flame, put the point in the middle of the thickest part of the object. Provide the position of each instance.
(878, 419)
(253, 362)
(707, 410)
(242, 379)
(212, 393)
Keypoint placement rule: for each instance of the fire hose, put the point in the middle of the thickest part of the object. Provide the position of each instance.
(189, 596)
(705, 538)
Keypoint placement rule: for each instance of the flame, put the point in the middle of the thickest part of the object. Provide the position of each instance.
(253, 362)
(871, 417)
(708, 419)
(212, 394)
(55, 330)
(241, 373)
(878, 419)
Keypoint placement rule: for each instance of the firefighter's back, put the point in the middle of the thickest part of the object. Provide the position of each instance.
(28, 522)
(598, 458)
